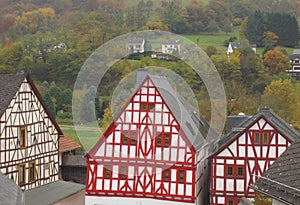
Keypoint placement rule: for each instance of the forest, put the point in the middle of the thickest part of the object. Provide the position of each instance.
(51, 39)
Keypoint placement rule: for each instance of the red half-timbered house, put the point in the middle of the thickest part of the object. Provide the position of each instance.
(150, 153)
(245, 154)
(28, 134)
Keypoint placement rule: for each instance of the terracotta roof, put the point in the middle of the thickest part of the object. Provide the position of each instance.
(282, 180)
(67, 144)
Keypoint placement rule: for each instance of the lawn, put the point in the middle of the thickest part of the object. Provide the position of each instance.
(215, 39)
(88, 135)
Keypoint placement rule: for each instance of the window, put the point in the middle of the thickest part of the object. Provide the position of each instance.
(166, 175)
(158, 140)
(230, 202)
(180, 175)
(123, 172)
(167, 139)
(124, 138)
(261, 138)
(107, 172)
(147, 107)
(22, 137)
(229, 171)
(133, 138)
(256, 138)
(240, 171)
(163, 140)
(32, 172)
(22, 174)
(266, 138)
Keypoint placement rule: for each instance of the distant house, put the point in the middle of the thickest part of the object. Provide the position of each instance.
(245, 153)
(281, 181)
(151, 153)
(234, 45)
(135, 45)
(170, 46)
(295, 63)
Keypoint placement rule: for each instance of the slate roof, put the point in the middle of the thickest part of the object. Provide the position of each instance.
(191, 121)
(282, 180)
(234, 121)
(10, 193)
(270, 116)
(294, 56)
(235, 45)
(296, 51)
(170, 42)
(52, 192)
(67, 144)
(10, 84)
(135, 40)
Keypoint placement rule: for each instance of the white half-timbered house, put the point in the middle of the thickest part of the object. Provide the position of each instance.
(245, 154)
(150, 153)
(28, 134)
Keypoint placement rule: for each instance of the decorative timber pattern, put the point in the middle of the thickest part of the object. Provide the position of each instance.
(246, 154)
(28, 136)
(145, 152)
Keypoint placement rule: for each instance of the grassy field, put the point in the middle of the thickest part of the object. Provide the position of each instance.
(218, 39)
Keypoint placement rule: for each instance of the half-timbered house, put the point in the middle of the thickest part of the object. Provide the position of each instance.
(150, 153)
(28, 134)
(281, 182)
(245, 154)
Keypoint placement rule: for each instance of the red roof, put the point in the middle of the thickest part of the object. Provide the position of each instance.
(67, 144)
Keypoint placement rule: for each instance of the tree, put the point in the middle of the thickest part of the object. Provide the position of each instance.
(243, 29)
(41, 19)
(155, 25)
(275, 62)
(255, 28)
(270, 38)
(211, 50)
(259, 199)
(49, 104)
(281, 98)
(250, 65)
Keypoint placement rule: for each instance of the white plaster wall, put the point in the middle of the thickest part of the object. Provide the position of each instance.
(92, 200)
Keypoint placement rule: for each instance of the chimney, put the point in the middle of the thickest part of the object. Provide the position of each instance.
(140, 76)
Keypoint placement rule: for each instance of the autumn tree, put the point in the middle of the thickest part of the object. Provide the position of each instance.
(281, 98)
(211, 50)
(155, 25)
(41, 19)
(275, 62)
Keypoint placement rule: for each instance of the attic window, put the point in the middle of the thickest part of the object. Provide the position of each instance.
(147, 107)
(22, 137)
(266, 138)
(163, 140)
(256, 138)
